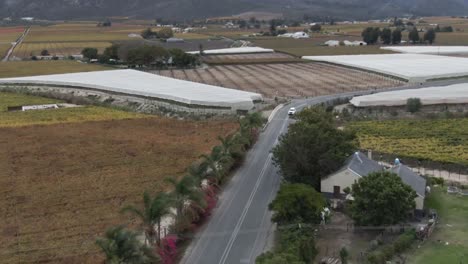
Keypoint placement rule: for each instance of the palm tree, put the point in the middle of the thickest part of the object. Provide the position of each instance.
(154, 210)
(122, 246)
(186, 192)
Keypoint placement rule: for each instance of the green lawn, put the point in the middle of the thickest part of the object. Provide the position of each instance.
(453, 228)
(443, 140)
(53, 116)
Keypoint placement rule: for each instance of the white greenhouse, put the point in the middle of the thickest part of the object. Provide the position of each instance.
(412, 67)
(452, 94)
(137, 83)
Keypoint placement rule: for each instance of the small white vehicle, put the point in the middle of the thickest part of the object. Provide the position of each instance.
(292, 111)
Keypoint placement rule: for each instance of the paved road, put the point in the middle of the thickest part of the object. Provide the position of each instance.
(240, 228)
(13, 46)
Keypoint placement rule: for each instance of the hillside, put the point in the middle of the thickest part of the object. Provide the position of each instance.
(188, 9)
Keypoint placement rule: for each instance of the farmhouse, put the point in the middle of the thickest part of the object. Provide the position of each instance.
(359, 165)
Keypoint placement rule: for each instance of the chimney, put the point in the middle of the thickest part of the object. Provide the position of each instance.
(369, 154)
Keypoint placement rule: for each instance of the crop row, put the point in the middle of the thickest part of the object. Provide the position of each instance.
(285, 80)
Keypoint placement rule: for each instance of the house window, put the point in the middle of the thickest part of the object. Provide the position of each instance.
(336, 190)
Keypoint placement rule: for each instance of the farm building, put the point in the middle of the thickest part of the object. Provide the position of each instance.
(452, 94)
(332, 43)
(296, 35)
(359, 165)
(414, 68)
(241, 50)
(147, 87)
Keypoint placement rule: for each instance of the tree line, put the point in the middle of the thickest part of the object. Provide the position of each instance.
(372, 35)
(191, 201)
(142, 56)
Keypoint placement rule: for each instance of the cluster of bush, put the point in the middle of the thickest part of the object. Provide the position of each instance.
(386, 253)
(142, 56)
(193, 197)
(163, 33)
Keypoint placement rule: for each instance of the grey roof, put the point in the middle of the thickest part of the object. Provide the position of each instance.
(411, 178)
(362, 165)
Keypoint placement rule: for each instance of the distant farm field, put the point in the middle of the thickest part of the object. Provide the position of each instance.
(10, 34)
(30, 68)
(312, 46)
(249, 58)
(63, 185)
(80, 33)
(442, 140)
(26, 50)
(286, 79)
(4, 49)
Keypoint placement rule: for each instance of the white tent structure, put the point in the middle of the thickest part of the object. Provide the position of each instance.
(241, 50)
(412, 67)
(434, 50)
(296, 35)
(452, 94)
(137, 83)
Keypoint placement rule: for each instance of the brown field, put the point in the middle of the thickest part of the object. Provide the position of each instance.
(285, 80)
(10, 34)
(31, 68)
(63, 185)
(26, 50)
(249, 58)
(4, 49)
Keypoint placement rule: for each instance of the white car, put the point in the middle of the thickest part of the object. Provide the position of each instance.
(292, 111)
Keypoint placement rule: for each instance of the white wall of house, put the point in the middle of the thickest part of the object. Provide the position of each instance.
(344, 178)
(419, 202)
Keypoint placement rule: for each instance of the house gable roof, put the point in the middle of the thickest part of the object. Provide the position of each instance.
(411, 178)
(362, 165)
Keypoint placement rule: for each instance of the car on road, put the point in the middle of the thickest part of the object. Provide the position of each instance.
(292, 111)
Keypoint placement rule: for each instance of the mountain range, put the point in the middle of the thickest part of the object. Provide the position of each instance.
(192, 9)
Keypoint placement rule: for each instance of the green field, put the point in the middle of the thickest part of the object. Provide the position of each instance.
(312, 46)
(31, 68)
(53, 116)
(442, 140)
(452, 228)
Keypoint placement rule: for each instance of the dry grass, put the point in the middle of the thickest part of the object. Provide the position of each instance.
(54, 116)
(80, 33)
(4, 49)
(63, 185)
(26, 50)
(30, 68)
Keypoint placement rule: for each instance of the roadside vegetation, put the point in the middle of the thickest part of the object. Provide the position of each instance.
(66, 183)
(189, 202)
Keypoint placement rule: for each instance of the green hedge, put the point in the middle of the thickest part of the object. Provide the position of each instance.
(386, 253)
